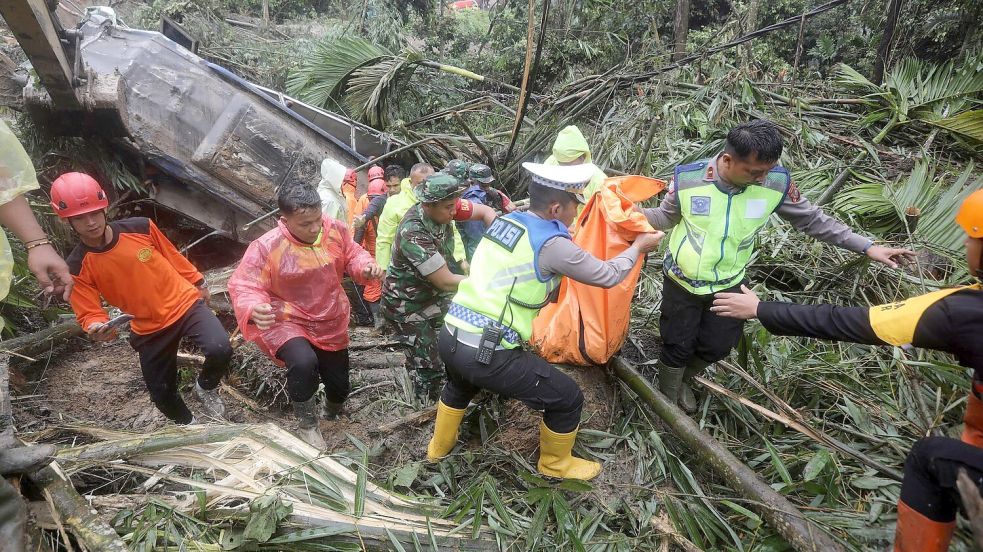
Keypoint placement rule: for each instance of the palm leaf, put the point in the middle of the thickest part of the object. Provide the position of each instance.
(372, 87)
(967, 123)
(917, 90)
(322, 77)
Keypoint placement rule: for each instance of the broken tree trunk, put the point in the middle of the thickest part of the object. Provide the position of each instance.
(32, 344)
(75, 513)
(781, 514)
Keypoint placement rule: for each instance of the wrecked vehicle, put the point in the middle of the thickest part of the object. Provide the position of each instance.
(213, 145)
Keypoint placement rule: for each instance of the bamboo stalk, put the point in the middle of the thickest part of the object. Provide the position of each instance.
(467, 130)
(146, 444)
(89, 528)
(781, 514)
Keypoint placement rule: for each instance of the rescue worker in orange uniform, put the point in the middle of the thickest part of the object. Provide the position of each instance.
(133, 266)
(381, 182)
(946, 320)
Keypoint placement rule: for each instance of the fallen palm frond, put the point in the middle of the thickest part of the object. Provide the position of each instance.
(918, 90)
(365, 78)
(263, 473)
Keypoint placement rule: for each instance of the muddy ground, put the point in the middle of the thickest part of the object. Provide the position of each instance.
(101, 384)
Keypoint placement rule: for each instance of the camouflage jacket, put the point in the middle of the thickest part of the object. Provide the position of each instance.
(421, 247)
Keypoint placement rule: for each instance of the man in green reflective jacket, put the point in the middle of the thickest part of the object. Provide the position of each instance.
(722, 203)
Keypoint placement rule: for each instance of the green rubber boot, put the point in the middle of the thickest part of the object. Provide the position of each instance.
(670, 380)
(687, 398)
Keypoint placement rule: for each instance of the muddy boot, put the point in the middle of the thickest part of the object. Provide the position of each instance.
(670, 379)
(330, 410)
(687, 398)
(307, 428)
(210, 402)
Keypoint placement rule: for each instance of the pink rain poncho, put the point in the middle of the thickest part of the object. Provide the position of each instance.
(303, 284)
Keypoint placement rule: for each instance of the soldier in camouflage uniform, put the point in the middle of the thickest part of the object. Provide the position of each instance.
(458, 168)
(418, 282)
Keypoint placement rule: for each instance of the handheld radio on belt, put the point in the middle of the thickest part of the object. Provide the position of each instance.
(491, 335)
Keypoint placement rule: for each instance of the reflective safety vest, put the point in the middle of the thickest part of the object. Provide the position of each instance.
(710, 249)
(505, 282)
(895, 323)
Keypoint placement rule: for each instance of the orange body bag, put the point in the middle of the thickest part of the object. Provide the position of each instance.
(588, 325)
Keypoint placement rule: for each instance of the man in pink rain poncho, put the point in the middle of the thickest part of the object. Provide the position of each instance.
(288, 299)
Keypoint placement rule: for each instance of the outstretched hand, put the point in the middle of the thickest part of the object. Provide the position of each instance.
(890, 256)
(742, 305)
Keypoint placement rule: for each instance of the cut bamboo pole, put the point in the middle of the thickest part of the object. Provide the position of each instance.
(781, 514)
(76, 514)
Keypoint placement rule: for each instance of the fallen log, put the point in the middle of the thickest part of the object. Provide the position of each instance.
(35, 343)
(74, 512)
(775, 509)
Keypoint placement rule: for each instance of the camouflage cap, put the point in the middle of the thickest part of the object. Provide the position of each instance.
(481, 173)
(438, 187)
(458, 168)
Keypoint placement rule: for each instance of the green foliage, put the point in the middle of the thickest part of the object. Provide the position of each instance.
(919, 90)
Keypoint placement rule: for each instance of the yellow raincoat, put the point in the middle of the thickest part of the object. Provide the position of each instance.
(571, 144)
(17, 177)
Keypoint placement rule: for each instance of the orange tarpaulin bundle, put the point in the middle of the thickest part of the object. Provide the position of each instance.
(587, 325)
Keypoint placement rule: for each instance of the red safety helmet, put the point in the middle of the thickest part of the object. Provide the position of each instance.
(350, 176)
(377, 186)
(75, 194)
(376, 172)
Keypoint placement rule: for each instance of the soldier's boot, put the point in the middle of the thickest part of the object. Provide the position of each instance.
(444, 431)
(307, 428)
(556, 458)
(687, 398)
(670, 380)
(210, 401)
(330, 410)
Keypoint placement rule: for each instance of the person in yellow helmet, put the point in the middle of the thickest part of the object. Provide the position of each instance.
(571, 148)
(945, 320)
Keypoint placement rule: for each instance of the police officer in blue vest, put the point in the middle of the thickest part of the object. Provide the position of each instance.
(722, 203)
(515, 271)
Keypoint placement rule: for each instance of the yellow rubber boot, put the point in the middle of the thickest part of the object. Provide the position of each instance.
(555, 459)
(444, 431)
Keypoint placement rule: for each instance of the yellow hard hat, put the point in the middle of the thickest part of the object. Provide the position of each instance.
(970, 215)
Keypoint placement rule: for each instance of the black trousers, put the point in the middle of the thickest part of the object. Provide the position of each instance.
(930, 473)
(690, 330)
(306, 363)
(514, 373)
(158, 358)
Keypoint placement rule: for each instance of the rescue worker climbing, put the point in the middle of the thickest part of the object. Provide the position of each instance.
(288, 299)
(722, 203)
(571, 148)
(945, 320)
(169, 304)
(364, 226)
(419, 280)
(517, 269)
